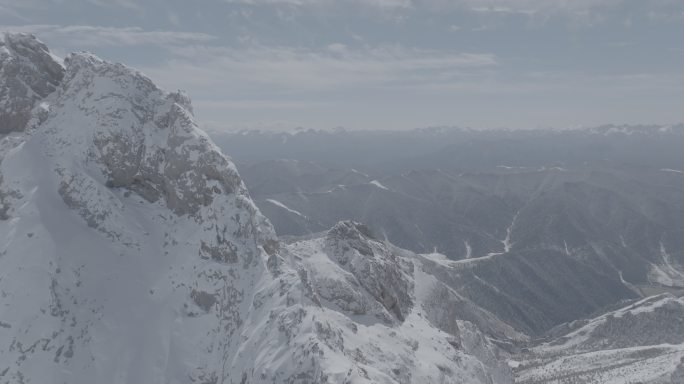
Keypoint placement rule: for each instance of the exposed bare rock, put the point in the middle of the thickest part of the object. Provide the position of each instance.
(28, 73)
(379, 287)
(375, 267)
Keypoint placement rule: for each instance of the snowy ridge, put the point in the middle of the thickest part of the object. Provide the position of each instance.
(384, 293)
(133, 253)
(582, 337)
(642, 342)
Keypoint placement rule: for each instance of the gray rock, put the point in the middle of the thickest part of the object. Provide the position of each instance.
(28, 73)
(376, 268)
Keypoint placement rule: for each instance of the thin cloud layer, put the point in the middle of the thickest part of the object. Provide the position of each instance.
(477, 5)
(336, 66)
(388, 63)
(89, 36)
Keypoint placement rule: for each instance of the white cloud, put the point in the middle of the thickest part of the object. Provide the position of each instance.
(533, 5)
(46, 4)
(337, 66)
(129, 4)
(258, 104)
(375, 3)
(88, 36)
(525, 6)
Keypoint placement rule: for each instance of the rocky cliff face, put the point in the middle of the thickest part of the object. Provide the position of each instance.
(131, 247)
(28, 74)
(132, 252)
(387, 327)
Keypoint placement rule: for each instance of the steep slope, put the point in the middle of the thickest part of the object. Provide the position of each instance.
(640, 343)
(132, 253)
(402, 322)
(124, 224)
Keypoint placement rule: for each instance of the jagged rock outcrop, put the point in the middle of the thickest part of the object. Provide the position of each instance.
(132, 253)
(378, 271)
(382, 292)
(118, 206)
(28, 73)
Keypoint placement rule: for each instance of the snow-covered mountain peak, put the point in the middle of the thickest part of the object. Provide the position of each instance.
(348, 240)
(28, 73)
(131, 248)
(134, 136)
(133, 253)
(378, 319)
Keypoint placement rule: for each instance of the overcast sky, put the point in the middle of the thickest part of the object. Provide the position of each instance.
(387, 64)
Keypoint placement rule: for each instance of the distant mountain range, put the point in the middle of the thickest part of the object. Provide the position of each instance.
(539, 228)
(463, 149)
